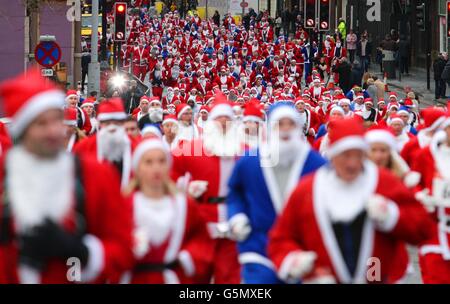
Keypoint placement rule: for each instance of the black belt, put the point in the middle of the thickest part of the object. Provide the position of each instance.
(155, 267)
(217, 200)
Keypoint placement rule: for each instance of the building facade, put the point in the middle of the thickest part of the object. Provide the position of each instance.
(21, 31)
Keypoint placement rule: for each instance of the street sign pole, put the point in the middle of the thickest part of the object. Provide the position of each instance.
(94, 66)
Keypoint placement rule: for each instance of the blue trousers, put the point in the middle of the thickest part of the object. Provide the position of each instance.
(253, 273)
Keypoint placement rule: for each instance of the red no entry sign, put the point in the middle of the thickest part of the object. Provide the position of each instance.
(244, 4)
(47, 53)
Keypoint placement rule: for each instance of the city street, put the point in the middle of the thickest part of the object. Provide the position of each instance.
(224, 142)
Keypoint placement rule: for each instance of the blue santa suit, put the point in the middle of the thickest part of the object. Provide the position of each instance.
(254, 193)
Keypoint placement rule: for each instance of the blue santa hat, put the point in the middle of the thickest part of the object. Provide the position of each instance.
(281, 110)
(403, 109)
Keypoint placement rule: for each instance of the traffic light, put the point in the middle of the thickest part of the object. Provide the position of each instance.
(310, 13)
(324, 15)
(120, 21)
(420, 16)
(448, 19)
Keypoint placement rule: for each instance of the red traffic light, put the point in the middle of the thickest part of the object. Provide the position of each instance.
(120, 8)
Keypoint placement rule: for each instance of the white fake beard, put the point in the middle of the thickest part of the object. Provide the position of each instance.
(158, 74)
(112, 141)
(156, 114)
(39, 188)
(221, 144)
(287, 150)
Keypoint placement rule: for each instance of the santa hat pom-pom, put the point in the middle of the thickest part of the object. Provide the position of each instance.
(412, 179)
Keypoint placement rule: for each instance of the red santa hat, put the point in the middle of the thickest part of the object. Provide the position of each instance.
(88, 102)
(221, 107)
(204, 109)
(359, 95)
(181, 109)
(395, 118)
(381, 101)
(393, 105)
(381, 135)
(432, 118)
(368, 100)
(299, 100)
(393, 95)
(70, 117)
(253, 111)
(26, 97)
(71, 93)
(154, 100)
(346, 134)
(111, 110)
(146, 146)
(170, 118)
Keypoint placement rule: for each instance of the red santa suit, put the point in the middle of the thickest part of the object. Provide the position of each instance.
(375, 210)
(89, 147)
(305, 225)
(213, 170)
(432, 120)
(71, 195)
(172, 242)
(140, 62)
(433, 163)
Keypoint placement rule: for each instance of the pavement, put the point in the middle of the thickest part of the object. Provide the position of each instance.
(417, 80)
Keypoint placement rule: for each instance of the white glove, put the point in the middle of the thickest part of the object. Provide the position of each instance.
(197, 188)
(240, 227)
(302, 264)
(428, 201)
(141, 243)
(382, 212)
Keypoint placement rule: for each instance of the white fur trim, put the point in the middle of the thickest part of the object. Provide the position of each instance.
(285, 112)
(396, 119)
(70, 123)
(221, 110)
(33, 107)
(381, 136)
(167, 120)
(153, 130)
(112, 116)
(95, 263)
(186, 262)
(255, 258)
(445, 123)
(251, 118)
(87, 104)
(347, 143)
(437, 249)
(148, 145)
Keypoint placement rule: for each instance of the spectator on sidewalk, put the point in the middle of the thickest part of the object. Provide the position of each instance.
(342, 28)
(363, 51)
(404, 54)
(286, 17)
(438, 67)
(344, 70)
(352, 41)
(293, 18)
(85, 60)
(216, 18)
